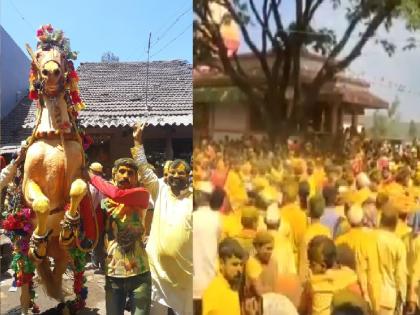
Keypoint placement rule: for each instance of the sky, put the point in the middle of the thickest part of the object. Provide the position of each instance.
(98, 26)
(390, 77)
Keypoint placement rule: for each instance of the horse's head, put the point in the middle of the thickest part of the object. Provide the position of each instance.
(52, 64)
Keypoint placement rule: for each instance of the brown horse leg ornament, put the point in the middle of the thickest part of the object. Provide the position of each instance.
(72, 218)
(40, 205)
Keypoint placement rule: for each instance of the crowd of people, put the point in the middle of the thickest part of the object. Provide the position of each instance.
(144, 243)
(291, 229)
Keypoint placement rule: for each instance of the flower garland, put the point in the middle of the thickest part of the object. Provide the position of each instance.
(72, 80)
(79, 287)
(19, 228)
(47, 38)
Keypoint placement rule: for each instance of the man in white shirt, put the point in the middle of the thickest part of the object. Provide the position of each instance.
(8, 172)
(169, 246)
(207, 231)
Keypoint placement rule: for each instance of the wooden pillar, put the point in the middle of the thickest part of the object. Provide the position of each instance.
(328, 118)
(334, 118)
(354, 120)
(340, 117)
(322, 123)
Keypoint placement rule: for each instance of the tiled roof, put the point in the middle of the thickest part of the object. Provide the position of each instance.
(115, 95)
(11, 125)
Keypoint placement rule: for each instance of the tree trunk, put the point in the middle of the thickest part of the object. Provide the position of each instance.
(273, 115)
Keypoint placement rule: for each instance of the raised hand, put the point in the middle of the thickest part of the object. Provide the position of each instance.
(138, 132)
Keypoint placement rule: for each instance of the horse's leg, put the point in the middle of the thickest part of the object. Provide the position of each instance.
(78, 190)
(71, 220)
(40, 204)
(57, 275)
(25, 298)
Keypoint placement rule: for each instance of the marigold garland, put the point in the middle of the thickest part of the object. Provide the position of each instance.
(79, 287)
(48, 37)
(19, 228)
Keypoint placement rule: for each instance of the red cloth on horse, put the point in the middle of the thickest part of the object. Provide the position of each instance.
(86, 214)
(2, 162)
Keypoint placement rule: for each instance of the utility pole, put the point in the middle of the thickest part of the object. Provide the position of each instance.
(147, 75)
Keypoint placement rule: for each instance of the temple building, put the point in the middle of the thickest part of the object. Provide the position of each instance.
(222, 109)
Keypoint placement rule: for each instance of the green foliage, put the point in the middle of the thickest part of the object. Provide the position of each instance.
(393, 110)
(380, 125)
(387, 125)
(410, 10)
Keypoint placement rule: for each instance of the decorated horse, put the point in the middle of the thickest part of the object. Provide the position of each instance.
(45, 209)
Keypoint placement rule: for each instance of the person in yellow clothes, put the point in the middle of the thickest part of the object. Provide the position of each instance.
(283, 251)
(329, 283)
(413, 263)
(392, 264)
(249, 221)
(363, 243)
(363, 191)
(237, 196)
(319, 175)
(381, 201)
(294, 215)
(235, 186)
(261, 269)
(400, 192)
(222, 295)
(231, 222)
(316, 209)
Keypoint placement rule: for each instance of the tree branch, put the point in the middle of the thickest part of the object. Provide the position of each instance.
(279, 25)
(346, 36)
(313, 10)
(329, 69)
(239, 67)
(370, 31)
(308, 4)
(264, 31)
(260, 56)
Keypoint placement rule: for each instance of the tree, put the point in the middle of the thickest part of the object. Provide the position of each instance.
(284, 44)
(109, 57)
(412, 130)
(380, 125)
(385, 125)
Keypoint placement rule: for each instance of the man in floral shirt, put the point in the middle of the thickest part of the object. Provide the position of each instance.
(127, 265)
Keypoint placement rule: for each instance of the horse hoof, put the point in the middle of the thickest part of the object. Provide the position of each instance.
(66, 241)
(68, 226)
(38, 247)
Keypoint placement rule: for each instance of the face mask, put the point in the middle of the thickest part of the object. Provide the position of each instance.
(177, 184)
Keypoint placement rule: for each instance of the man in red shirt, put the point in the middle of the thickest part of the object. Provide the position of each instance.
(127, 263)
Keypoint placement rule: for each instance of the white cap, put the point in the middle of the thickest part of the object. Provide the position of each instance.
(355, 215)
(363, 180)
(278, 304)
(272, 214)
(343, 189)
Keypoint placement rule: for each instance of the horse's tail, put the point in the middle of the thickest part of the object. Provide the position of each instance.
(52, 285)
